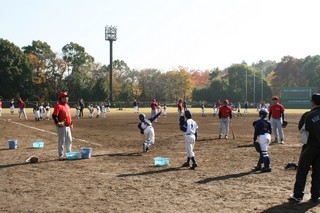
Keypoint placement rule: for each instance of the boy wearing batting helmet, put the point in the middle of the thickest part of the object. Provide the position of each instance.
(261, 140)
(190, 129)
(146, 129)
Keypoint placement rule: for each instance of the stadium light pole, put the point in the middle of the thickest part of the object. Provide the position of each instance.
(262, 85)
(246, 85)
(111, 35)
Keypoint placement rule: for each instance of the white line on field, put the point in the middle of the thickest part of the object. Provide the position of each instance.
(53, 133)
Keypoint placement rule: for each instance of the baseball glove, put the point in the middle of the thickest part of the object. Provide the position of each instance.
(32, 159)
(284, 124)
(141, 130)
(292, 166)
(181, 120)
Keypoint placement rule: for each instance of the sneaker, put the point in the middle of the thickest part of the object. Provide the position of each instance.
(282, 142)
(315, 200)
(194, 165)
(220, 137)
(186, 164)
(61, 158)
(226, 136)
(144, 147)
(147, 149)
(256, 169)
(293, 198)
(265, 169)
(275, 141)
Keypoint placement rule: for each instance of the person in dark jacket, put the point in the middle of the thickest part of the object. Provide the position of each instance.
(310, 154)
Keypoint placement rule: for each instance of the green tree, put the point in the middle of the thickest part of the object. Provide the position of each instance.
(80, 65)
(15, 71)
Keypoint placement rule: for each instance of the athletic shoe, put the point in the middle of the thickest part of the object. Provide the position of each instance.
(194, 165)
(315, 200)
(226, 136)
(275, 141)
(265, 169)
(144, 147)
(295, 199)
(256, 169)
(282, 142)
(186, 164)
(220, 137)
(147, 149)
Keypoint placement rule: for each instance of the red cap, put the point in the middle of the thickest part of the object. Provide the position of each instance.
(63, 94)
(226, 101)
(275, 98)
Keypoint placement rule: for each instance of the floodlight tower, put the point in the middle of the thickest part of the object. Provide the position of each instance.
(111, 35)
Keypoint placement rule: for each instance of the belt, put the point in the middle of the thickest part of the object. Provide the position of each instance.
(190, 134)
(276, 118)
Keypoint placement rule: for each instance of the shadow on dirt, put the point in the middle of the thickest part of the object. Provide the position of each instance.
(151, 172)
(133, 154)
(289, 207)
(25, 163)
(225, 177)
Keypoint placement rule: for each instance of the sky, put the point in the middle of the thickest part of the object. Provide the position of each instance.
(167, 34)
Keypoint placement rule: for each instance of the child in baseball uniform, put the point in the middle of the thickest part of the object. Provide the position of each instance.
(48, 111)
(146, 128)
(164, 110)
(203, 114)
(36, 112)
(103, 110)
(90, 107)
(41, 111)
(12, 106)
(98, 111)
(262, 138)
(190, 129)
(78, 111)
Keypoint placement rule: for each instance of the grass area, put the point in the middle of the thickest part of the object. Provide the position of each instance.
(169, 110)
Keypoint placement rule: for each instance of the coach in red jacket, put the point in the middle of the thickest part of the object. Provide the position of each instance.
(225, 116)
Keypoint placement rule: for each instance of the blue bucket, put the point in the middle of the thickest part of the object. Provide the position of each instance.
(86, 152)
(13, 144)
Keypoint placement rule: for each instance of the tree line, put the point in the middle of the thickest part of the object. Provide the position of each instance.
(35, 72)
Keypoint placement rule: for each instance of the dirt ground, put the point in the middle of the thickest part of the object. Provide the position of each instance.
(119, 177)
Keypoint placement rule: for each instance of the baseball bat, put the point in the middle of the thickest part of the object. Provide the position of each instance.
(233, 135)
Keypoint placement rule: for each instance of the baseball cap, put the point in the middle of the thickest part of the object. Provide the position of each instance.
(316, 98)
(63, 94)
(275, 98)
(226, 101)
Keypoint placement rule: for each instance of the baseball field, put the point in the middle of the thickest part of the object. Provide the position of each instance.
(119, 177)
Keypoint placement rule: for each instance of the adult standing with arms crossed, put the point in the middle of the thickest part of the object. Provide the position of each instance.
(310, 154)
(225, 112)
(62, 118)
(276, 112)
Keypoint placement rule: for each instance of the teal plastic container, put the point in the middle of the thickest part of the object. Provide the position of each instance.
(73, 155)
(159, 161)
(38, 144)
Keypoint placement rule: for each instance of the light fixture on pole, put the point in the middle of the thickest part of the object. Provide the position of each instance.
(111, 35)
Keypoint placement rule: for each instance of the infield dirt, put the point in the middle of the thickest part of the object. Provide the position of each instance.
(119, 177)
